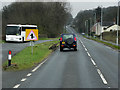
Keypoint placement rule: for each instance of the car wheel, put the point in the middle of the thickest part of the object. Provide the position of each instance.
(22, 39)
(69, 41)
(61, 49)
(75, 49)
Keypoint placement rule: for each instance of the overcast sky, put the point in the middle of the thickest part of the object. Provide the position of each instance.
(78, 5)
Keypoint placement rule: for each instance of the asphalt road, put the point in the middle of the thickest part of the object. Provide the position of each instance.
(94, 65)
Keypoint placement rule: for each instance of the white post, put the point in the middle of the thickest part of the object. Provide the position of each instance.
(117, 24)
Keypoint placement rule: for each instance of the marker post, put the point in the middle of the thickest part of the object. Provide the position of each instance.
(9, 57)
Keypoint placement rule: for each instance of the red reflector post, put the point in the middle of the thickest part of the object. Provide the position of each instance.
(61, 39)
(75, 39)
(10, 52)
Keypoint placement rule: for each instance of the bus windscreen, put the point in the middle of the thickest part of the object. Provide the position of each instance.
(12, 30)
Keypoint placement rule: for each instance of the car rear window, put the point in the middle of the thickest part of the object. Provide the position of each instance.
(67, 36)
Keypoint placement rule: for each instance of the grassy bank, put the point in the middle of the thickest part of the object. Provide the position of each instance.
(25, 60)
(105, 43)
(47, 38)
(2, 41)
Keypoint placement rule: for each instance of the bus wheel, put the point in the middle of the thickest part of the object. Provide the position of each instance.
(22, 39)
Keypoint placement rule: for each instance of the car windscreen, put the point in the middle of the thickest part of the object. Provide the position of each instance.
(24, 28)
(12, 30)
(67, 36)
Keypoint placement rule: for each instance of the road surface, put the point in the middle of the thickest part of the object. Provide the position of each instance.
(94, 65)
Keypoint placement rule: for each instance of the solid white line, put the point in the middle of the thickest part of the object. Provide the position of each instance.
(16, 86)
(102, 77)
(88, 54)
(29, 74)
(93, 62)
(24, 79)
(38, 66)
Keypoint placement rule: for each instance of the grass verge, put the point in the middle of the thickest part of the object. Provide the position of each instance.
(24, 59)
(48, 38)
(2, 41)
(105, 43)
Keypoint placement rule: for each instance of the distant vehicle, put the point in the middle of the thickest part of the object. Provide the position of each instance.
(83, 33)
(68, 41)
(17, 33)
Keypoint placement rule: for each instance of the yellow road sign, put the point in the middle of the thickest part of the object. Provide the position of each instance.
(31, 34)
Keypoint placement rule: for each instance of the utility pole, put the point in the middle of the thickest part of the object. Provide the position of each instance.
(86, 25)
(101, 23)
(117, 23)
(95, 18)
(87, 28)
(90, 26)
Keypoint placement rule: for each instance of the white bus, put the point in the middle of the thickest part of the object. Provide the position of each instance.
(17, 33)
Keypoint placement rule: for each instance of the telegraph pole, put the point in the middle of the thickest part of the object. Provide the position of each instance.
(90, 26)
(117, 23)
(101, 23)
(86, 25)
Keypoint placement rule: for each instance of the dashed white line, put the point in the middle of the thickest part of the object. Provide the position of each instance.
(38, 66)
(88, 54)
(83, 45)
(16, 86)
(102, 77)
(24, 79)
(29, 74)
(85, 49)
(99, 72)
(93, 62)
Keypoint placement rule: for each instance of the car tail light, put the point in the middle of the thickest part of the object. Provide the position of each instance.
(61, 39)
(73, 45)
(75, 39)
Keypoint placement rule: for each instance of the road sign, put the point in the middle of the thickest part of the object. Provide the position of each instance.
(31, 34)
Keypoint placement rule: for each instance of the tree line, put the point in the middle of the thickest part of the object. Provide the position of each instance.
(50, 17)
(109, 15)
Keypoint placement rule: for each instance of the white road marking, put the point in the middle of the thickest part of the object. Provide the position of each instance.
(98, 70)
(102, 77)
(85, 49)
(16, 86)
(93, 62)
(24, 79)
(88, 54)
(29, 74)
(38, 66)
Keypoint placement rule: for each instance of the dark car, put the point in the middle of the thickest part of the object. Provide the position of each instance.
(68, 41)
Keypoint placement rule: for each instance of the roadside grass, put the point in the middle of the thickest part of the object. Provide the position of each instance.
(48, 38)
(105, 43)
(2, 41)
(24, 59)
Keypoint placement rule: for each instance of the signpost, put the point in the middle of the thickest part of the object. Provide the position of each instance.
(31, 35)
